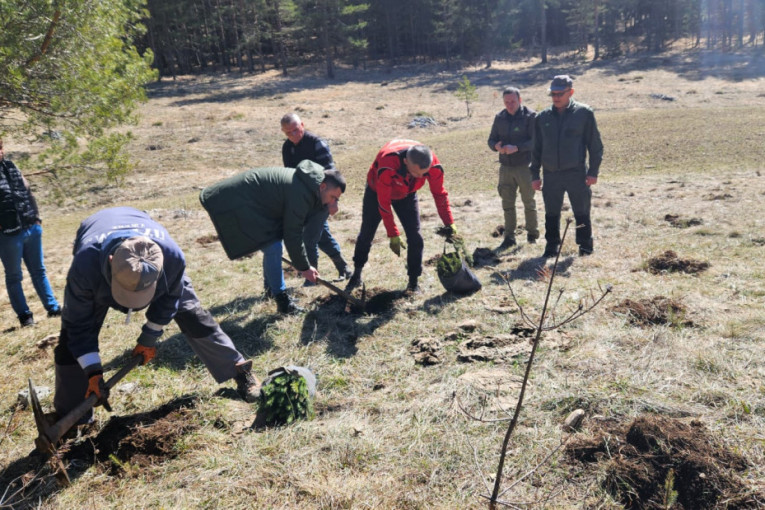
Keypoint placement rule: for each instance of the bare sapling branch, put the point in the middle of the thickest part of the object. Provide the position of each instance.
(540, 326)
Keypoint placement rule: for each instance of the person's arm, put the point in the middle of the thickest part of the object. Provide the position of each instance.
(440, 195)
(296, 211)
(384, 202)
(80, 309)
(528, 145)
(162, 309)
(594, 147)
(536, 154)
(495, 143)
(286, 155)
(322, 155)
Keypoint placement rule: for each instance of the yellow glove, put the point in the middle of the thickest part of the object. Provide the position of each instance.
(454, 230)
(396, 244)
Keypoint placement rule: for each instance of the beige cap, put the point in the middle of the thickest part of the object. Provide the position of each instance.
(136, 266)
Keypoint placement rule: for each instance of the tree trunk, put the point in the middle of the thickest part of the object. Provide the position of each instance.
(543, 29)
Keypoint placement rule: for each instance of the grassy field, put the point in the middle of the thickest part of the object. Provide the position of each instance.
(682, 175)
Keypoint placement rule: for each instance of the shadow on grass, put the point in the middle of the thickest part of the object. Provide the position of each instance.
(248, 337)
(434, 305)
(530, 269)
(31, 479)
(693, 64)
(329, 321)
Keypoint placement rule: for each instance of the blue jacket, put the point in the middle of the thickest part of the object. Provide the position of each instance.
(88, 295)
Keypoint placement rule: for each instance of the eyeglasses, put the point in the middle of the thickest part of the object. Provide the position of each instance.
(559, 94)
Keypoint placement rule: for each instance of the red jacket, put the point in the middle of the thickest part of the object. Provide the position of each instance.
(389, 178)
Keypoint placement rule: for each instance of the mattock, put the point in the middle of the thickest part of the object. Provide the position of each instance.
(49, 435)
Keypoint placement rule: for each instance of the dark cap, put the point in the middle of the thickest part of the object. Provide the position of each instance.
(561, 82)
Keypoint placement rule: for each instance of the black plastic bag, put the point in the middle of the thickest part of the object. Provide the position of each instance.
(462, 281)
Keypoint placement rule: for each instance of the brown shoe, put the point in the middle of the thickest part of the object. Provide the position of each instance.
(247, 385)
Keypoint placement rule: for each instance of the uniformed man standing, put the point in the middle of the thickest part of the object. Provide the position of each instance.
(566, 133)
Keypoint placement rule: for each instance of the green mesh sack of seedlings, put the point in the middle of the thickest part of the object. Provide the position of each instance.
(284, 398)
(457, 241)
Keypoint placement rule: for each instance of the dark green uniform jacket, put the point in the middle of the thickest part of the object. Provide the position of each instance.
(256, 208)
(515, 130)
(562, 140)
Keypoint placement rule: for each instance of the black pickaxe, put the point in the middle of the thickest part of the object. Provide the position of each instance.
(49, 435)
(340, 292)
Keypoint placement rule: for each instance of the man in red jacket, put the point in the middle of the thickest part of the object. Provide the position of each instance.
(399, 170)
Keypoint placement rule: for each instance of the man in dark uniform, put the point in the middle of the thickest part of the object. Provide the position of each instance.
(512, 136)
(300, 145)
(566, 133)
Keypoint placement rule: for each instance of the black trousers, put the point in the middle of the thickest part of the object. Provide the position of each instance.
(408, 211)
(573, 183)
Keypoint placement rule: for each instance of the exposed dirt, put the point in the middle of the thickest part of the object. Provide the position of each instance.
(208, 239)
(669, 262)
(658, 462)
(378, 301)
(485, 257)
(676, 221)
(427, 351)
(654, 311)
(129, 443)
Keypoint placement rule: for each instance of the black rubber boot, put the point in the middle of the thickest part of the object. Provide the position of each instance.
(286, 305)
(412, 287)
(344, 272)
(354, 282)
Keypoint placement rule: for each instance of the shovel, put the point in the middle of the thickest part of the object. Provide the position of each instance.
(49, 435)
(340, 292)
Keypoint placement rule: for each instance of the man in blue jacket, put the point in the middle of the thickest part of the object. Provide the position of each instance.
(126, 261)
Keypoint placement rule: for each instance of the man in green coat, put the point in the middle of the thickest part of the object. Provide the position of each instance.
(566, 134)
(258, 209)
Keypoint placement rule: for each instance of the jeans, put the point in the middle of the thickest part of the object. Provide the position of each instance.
(316, 235)
(27, 245)
(272, 268)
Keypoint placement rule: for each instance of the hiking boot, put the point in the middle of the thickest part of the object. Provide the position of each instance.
(584, 252)
(551, 250)
(353, 282)
(343, 271)
(247, 385)
(412, 287)
(26, 320)
(56, 312)
(508, 242)
(531, 239)
(286, 305)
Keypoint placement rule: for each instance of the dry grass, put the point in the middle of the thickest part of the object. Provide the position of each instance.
(387, 432)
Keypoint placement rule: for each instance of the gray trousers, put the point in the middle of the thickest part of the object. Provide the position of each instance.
(512, 179)
(202, 332)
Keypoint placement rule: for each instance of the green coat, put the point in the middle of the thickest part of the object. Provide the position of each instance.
(562, 141)
(258, 207)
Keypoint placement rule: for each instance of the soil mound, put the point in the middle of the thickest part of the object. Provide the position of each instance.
(669, 262)
(658, 462)
(676, 221)
(657, 310)
(499, 231)
(485, 257)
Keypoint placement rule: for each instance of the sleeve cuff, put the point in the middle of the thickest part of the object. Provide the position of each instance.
(90, 363)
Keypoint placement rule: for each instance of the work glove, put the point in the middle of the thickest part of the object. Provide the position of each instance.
(453, 228)
(148, 353)
(147, 342)
(97, 386)
(396, 244)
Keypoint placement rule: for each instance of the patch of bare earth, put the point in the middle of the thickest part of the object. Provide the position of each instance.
(658, 462)
(657, 310)
(669, 262)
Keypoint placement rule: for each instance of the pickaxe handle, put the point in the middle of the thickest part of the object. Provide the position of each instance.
(334, 288)
(49, 435)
